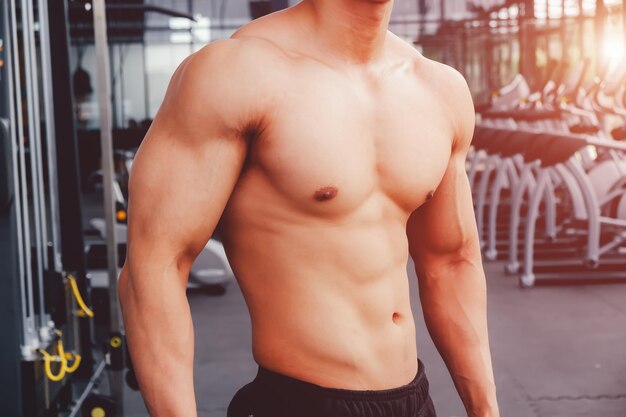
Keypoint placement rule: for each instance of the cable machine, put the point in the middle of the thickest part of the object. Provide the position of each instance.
(54, 354)
(10, 258)
(48, 363)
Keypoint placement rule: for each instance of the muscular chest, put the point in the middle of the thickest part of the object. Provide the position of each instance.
(328, 145)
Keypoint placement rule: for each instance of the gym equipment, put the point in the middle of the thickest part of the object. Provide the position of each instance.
(6, 166)
(48, 357)
(211, 269)
(554, 146)
(11, 258)
(99, 406)
(43, 286)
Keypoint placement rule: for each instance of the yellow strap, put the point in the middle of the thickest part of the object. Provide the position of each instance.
(47, 361)
(62, 358)
(75, 364)
(60, 349)
(79, 299)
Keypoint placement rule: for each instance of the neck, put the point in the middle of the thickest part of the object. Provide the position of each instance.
(353, 29)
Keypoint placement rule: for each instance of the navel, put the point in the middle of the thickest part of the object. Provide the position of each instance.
(395, 317)
(325, 193)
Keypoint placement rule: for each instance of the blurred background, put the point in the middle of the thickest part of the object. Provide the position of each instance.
(489, 42)
(81, 81)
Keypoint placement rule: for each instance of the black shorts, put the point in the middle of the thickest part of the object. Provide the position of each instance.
(275, 395)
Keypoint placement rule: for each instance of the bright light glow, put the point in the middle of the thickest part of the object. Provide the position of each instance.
(554, 8)
(201, 34)
(88, 6)
(613, 49)
(201, 29)
(181, 37)
(179, 23)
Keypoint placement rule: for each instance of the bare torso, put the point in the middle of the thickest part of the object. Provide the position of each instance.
(326, 150)
(315, 228)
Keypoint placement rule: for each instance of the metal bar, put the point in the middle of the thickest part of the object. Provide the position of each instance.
(606, 144)
(121, 58)
(34, 120)
(613, 222)
(442, 12)
(34, 137)
(16, 182)
(146, 78)
(154, 9)
(585, 276)
(70, 205)
(615, 243)
(11, 292)
(106, 144)
(140, 8)
(521, 34)
(53, 186)
(592, 207)
(90, 386)
(467, 24)
(113, 94)
(31, 340)
(600, 19)
(563, 33)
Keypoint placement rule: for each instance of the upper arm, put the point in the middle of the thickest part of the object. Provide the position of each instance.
(190, 159)
(443, 230)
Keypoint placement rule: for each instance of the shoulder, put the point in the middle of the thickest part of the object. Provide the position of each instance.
(229, 59)
(230, 79)
(451, 84)
(452, 89)
(238, 63)
(446, 84)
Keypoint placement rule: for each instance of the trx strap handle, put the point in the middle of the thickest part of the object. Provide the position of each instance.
(84, 310)
(68, 362)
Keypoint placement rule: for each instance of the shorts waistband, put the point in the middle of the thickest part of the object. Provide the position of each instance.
(293, 386)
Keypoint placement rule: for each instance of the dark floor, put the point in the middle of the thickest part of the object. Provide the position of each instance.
(557, 351)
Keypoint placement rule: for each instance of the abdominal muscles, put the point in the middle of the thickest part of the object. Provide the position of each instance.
(328, 298)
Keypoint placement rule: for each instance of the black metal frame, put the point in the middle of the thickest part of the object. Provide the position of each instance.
(10, 317)
(70, 204)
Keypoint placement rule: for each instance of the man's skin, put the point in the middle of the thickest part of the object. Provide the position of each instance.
(328, 150)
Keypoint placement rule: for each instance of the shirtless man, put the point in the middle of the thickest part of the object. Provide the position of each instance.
(328, 150)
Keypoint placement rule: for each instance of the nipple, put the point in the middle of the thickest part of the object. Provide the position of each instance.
(325, 193)
(430, 195)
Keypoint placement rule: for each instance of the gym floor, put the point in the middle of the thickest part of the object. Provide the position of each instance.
(547, 360)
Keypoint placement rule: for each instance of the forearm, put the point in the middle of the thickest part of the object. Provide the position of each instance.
(160, 337)
(453, 297)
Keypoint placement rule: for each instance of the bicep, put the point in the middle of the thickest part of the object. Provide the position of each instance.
(445, 226)
(182, 178)
(444, 229)
(177, 194)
